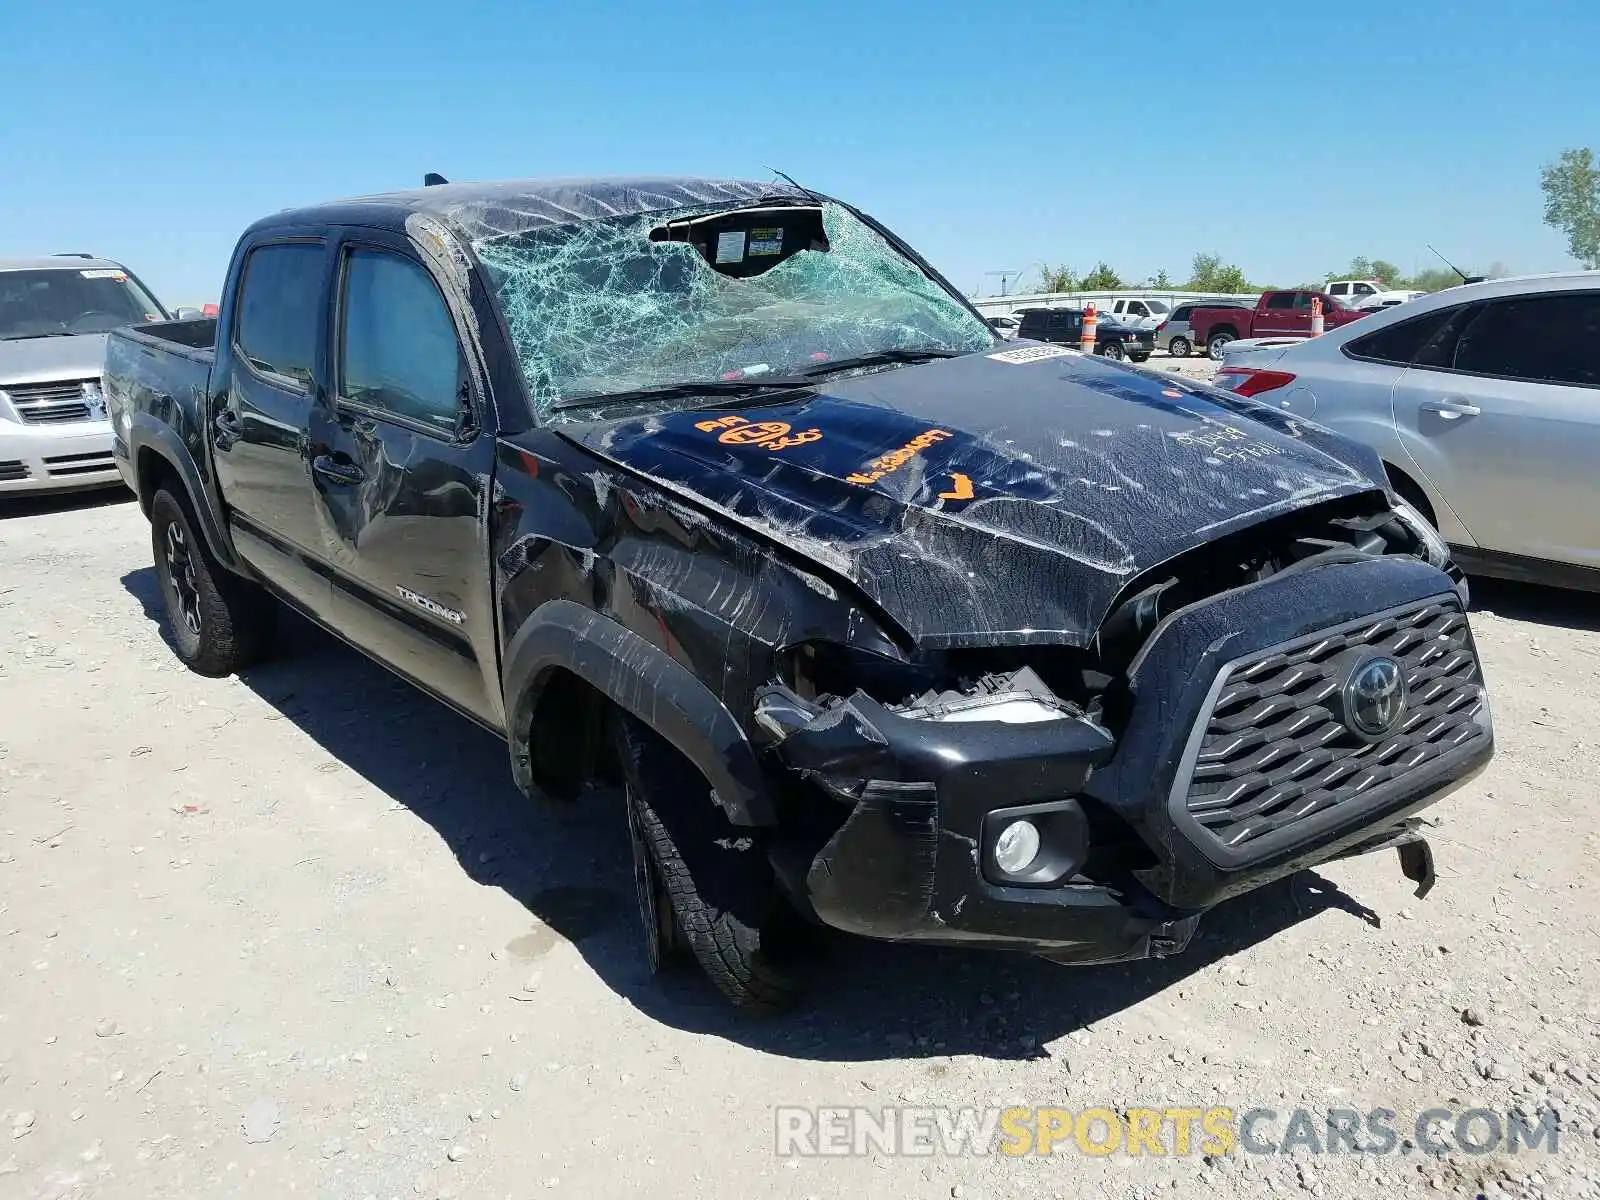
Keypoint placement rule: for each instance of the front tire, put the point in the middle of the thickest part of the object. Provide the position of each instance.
(1180, 347)
(219, 624)
(1113, 351)
(724, 901)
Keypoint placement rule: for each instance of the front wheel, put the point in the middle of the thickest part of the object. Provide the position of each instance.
(1179, 347)
(702, 882)
(220, 624)
(1113, 351)
(1215, 346)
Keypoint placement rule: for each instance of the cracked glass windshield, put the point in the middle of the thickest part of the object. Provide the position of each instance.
(713, 294)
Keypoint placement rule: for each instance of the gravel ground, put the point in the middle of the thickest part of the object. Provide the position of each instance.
(298, 933)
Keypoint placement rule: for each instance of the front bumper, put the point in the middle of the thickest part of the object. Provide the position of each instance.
(906, 862)
(43, 458)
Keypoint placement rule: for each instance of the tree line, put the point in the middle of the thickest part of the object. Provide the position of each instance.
(1208, 273)
(1571, 186)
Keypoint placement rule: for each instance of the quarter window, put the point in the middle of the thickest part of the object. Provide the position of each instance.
(280, 301)
(1403, 344)
(399, 353)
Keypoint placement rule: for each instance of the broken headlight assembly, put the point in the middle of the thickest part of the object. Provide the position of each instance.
(1434, 549)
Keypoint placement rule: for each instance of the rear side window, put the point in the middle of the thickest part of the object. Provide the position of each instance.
(280, 308)
(398, 348)
(1281, 300)
(1548, 339)
(1181, 313)
(1339, 289)
(1032, 324)
(1403, 344)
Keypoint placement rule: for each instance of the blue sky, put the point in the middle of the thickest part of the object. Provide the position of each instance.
(991, 136)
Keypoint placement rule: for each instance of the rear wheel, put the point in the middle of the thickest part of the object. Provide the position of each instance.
(703, 883)
(1112, 350)
(1215, 345)
(1179, 347)
(219, 623)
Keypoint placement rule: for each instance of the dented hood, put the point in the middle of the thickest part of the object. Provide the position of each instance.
(997, 498)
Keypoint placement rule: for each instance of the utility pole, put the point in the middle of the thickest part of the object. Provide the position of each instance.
(1005, 278)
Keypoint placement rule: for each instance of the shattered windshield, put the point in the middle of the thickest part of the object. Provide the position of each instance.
(631, 303)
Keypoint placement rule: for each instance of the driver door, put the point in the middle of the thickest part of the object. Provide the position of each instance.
(400, 470)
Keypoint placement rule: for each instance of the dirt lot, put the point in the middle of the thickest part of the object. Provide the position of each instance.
(297, 933)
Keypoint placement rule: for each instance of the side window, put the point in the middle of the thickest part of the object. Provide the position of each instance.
(1032, 325)
(1138, 309)
(280, 309)
(1549, 339)
(1303, 299)
(1338, 289)
(1364, 289)
(1403, 344)
(1281, 300)
(398, 349)
(1181, 313)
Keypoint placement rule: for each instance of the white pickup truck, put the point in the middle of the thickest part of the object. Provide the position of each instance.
(1367, 294)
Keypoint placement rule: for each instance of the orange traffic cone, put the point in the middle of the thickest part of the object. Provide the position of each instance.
(1091, 322)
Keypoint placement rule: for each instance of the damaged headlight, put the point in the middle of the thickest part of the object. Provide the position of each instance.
(1014, 698)
(1436, 550)
(1008, 710)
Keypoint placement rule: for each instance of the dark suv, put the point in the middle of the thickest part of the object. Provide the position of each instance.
(1064, 326)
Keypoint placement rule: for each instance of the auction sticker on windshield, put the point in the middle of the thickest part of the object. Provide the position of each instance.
(1028, 354)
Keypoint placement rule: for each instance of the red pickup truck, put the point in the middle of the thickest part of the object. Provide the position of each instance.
(1276, 314)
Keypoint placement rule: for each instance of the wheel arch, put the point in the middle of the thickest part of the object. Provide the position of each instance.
(563, 641)
(158, 457)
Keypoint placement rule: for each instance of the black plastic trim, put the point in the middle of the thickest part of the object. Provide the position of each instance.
(642, 680)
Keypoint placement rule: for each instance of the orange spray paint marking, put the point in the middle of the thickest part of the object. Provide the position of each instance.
(962, 489)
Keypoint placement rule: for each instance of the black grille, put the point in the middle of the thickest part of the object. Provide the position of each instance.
(1275, 750)
(12, 470)
(50, 403)
(80, 464)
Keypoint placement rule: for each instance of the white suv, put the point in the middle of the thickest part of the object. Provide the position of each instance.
(54, 314)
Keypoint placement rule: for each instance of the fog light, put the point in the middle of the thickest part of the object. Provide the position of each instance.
(1016, 847)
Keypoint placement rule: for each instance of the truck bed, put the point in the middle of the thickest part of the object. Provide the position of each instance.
(185, 337)
(161, 369)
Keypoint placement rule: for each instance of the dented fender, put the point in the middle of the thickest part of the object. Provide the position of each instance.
(641, 680)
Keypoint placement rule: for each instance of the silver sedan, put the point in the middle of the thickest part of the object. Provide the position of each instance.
(1484, 402)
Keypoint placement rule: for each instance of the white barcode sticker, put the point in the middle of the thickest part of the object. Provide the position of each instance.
(1028, 354)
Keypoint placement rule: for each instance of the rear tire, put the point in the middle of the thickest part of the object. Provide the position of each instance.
(1179, 347)
(1215, 345)
(724, 901)
(219, 623)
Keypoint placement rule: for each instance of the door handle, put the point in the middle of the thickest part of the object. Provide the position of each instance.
(228, 428)
(336, 470)
(1451, 410)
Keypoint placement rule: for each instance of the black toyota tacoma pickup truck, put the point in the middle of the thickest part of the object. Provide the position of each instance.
(719, 489)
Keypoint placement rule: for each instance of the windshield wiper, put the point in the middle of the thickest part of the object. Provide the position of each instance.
(22, 337)
(672, 391)
(880, 358)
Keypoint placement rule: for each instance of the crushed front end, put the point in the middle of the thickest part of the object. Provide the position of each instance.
(1211, 741)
